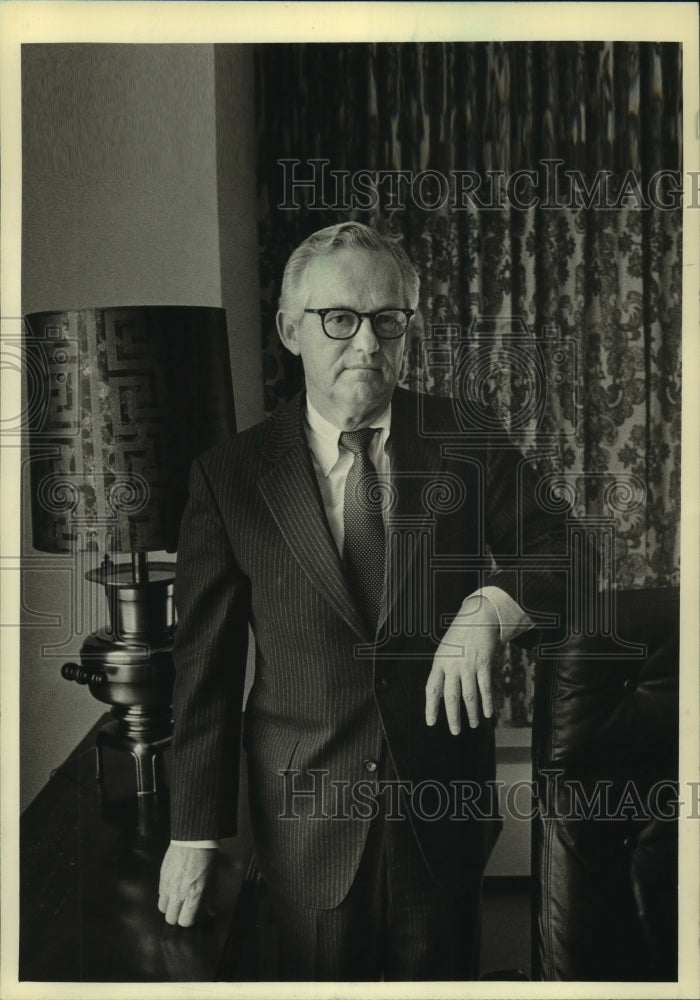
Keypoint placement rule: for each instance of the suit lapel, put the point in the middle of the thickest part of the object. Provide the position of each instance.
(291, 492)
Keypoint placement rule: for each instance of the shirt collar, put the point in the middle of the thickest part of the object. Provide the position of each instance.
(323, 436)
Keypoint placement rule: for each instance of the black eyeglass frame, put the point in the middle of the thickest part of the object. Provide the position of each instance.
(371, 316)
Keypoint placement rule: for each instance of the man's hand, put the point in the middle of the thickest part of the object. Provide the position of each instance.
(462, 666)
(184, 877)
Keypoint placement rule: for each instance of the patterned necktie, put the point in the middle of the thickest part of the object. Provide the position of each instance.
(364, 548)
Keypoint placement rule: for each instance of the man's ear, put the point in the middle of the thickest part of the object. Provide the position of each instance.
(287, 330)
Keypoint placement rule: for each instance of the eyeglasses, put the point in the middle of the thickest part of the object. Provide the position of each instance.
(342, 324)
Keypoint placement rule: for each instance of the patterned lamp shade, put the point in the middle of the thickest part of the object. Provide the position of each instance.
(119, 402)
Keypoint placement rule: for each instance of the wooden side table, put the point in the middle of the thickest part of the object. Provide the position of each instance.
(89, 867)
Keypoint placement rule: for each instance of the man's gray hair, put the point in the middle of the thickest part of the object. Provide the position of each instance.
(341, 236)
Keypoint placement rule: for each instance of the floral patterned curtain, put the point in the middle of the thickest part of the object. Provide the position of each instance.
(540, 202)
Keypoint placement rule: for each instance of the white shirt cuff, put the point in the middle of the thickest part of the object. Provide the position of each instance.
(195, 843)
(512, 620)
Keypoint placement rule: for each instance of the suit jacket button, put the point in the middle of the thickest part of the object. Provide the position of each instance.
(382, 684)
(371, 765)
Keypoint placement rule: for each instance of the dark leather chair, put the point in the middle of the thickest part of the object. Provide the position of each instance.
(605, 833)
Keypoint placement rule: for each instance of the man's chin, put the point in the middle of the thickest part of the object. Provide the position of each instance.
(369, 398)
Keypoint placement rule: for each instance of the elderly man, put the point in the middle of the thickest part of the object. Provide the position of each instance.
(372, 545)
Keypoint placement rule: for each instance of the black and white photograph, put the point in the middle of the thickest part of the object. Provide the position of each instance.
(350, 514)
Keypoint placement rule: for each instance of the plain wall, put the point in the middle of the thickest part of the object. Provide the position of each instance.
(138, 189)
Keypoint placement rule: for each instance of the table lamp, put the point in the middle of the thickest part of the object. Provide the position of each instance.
(120, 401)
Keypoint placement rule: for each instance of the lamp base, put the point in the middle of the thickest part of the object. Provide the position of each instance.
(146, 754)
(130, 666)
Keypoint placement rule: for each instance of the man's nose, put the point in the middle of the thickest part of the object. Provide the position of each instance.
(365, 339)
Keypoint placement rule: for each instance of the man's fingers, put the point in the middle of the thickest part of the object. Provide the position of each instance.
(452, 694)
(433, 694)
(483, 676)
(190, 908)
(183, 911)
(469, 697)
(172, 911)
(186, 874)
(460, 678)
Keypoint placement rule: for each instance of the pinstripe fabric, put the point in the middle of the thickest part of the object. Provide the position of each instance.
(396, 922)
(255, 546)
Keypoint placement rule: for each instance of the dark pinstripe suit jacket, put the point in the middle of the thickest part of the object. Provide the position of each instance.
(255, 548)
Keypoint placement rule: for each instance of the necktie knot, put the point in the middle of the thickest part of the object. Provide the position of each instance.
(358, 442)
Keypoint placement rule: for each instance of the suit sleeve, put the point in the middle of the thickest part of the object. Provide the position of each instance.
(530, 540)
(212, 597)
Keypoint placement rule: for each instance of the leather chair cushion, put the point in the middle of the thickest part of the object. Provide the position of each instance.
(614, 707)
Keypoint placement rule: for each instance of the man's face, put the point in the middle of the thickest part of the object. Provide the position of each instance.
(350, 382)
